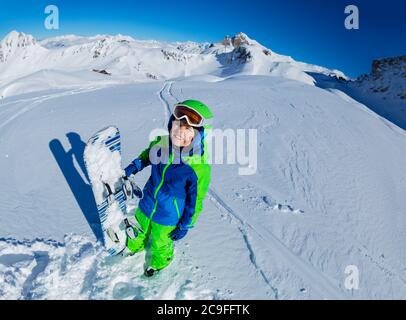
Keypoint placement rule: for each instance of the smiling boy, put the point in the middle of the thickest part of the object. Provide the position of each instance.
(174, 193)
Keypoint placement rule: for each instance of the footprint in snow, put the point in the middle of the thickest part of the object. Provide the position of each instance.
(265, 202)
(23, 266)
(123, 290)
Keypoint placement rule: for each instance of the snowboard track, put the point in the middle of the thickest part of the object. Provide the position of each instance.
(309, 273)
(167, 87)
(34, 102)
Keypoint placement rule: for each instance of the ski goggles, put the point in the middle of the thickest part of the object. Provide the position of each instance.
(192, 117)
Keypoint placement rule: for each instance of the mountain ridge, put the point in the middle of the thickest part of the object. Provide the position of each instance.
(143, 60)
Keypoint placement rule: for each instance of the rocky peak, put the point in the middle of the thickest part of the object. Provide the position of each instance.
(17, 39)
(396, 65)
(13, 42)
(240, 38)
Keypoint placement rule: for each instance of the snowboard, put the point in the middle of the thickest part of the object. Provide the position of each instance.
(111, 188)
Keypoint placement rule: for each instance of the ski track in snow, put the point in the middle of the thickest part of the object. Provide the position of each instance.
(34, 102)
(382, 266)
(313, 277)
(166, 88)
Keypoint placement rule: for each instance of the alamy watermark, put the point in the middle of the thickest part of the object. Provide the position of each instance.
(52, 20)
(351, 282)
(351, 22)
(221, 146)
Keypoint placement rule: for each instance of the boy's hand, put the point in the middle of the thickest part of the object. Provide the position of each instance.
(178, 233)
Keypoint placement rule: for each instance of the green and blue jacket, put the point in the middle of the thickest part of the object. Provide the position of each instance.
(179, 181)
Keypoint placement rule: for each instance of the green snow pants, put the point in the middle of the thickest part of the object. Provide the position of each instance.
(161, 243)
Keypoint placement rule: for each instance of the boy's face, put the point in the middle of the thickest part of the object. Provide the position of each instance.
(181, 134)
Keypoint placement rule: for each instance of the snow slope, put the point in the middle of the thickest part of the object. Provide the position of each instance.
(328, 193)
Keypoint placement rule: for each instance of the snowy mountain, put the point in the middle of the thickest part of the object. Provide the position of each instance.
(16, 43)
(129, 60)
(386, 78)
(384, 89)
(328, 192)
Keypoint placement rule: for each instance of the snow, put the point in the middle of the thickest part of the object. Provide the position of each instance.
(328, 191)
(327, 194)
(52, 79)
(129, 60)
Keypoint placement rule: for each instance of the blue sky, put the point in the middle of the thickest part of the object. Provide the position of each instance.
(310, 31)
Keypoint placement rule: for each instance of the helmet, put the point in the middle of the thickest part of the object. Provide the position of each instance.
(195, 105)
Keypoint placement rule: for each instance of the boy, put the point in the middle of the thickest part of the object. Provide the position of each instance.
(180, 177)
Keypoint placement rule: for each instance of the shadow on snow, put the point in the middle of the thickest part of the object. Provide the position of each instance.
(80, 188)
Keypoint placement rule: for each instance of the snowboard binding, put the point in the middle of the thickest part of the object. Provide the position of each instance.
(131, 189)
(132, 228)
(110, 194)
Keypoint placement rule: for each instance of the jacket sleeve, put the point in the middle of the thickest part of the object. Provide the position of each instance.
(197, 188)
(143, 159)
